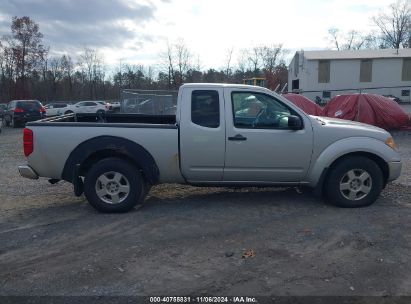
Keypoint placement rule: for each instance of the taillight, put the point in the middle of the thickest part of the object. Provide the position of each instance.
(18, 110)
(28, 141)
(42, 110)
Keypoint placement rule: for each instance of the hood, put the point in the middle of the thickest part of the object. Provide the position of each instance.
(350, 128)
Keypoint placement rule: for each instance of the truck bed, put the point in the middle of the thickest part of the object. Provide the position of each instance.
(111, 118)
(55, 138)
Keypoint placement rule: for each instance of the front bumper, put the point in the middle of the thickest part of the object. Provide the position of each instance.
(28, 172)
(394, 170)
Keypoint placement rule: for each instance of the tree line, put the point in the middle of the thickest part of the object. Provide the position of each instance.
(28, 70)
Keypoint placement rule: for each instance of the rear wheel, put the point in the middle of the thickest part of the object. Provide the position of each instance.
(5, 122)
(354, 182)
(13, 123)
(114, 185)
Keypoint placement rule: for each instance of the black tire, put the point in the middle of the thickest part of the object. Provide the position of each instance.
(132, 177)
(4, 122)
(339, 178)
(13, 123)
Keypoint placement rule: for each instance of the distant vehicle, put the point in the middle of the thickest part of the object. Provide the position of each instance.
(392, 97)
(57, 108)
(97, 107)
(221, 135)
(3, 107)
(255, 81)
(19, 112)
(115, 106)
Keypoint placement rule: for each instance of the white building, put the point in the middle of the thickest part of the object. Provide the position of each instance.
(323, 73)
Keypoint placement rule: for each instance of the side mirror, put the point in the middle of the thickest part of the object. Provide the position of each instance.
(295, 122)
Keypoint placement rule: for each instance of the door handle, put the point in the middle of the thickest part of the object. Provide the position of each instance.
(238, 137)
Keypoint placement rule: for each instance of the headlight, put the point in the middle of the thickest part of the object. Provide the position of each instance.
(390, 142)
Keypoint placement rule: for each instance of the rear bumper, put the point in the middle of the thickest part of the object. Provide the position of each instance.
(28, 172)
(394, 169)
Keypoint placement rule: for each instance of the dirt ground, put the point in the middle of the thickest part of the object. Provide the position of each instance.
(212, 241)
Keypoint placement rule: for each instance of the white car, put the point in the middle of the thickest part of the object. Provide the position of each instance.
(87, 107)
(55, 108)
(115, 106)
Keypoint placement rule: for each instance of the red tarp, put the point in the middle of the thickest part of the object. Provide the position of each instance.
(304, 104)
(372, 109)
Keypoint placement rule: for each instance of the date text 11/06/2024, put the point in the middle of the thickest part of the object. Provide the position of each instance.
(203, 300)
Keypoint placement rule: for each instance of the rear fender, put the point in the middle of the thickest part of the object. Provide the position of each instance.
(100, 147)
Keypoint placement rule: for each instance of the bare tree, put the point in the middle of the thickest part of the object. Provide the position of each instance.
(176, 62)
(351, 40)
(92, 66)
(333, 32)
(228, 61)
(67, 68)
(270, 55)
(183, 60)
(254, 58)
(25, 42)
(395, 24)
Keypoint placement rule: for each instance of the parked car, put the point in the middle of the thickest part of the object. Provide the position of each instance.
(106, 104)
(19, 112)
(222, 135)
(3, 107)
(55, 108)
(393, 98)
(98, 107)
(115, 106)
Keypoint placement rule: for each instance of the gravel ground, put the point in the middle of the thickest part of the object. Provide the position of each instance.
(189, 240)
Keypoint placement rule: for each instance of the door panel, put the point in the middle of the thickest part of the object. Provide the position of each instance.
(260, 147)
(202, 134)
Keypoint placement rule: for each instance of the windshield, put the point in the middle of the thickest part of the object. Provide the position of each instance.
(29, 105)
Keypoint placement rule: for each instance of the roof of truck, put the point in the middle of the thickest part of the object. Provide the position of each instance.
(220, 85)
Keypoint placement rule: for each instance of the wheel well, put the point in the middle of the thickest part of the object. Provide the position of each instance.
(378, 160)
(93, 150)
(102, 154)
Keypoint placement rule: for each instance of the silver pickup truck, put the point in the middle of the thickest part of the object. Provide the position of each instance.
(222, 135)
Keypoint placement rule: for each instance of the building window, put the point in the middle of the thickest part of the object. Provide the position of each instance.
(406, 69)
(205, 108)
(323, 71)
(405, 93)
(295, 84)
(326, 94)
(366, 70)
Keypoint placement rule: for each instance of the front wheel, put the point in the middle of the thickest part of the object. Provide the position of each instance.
(113, 185)
(355, 181)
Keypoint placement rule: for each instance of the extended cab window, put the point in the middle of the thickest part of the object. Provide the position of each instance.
(205, 108)
(253, 110)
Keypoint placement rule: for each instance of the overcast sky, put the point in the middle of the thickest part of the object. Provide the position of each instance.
(137, 30)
